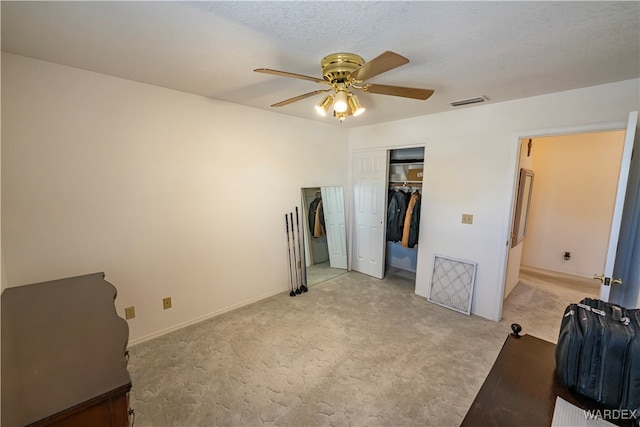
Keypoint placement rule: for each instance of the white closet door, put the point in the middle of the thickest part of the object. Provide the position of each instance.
(610, 277)
(370, 169)
(333, 209)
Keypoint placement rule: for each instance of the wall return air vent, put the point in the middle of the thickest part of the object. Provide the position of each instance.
(468, 101)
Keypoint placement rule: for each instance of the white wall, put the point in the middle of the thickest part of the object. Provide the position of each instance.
(168, 193)
(572, 203)
(470, 166)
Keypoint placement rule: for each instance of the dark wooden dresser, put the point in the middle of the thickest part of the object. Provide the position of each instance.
(63, 354)
(522, 387)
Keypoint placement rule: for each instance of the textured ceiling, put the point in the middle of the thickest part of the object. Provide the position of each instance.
(503, 50)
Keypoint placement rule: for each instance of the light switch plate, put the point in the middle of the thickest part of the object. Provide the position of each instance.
(130, 312)
(467, 219)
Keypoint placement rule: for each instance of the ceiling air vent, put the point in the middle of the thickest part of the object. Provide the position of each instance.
(469, 101)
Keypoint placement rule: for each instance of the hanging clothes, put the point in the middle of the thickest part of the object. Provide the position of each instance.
(316, 218)
(396, 212)
(319, 229)
(414, 225)
(407, 221)
(313, 207)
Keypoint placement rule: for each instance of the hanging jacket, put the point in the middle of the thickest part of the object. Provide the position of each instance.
(313, 207)
(396, 212)
(318, 227)
(407, 221)
(415, 223)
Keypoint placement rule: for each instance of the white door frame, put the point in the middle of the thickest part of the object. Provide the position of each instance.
(515, 162)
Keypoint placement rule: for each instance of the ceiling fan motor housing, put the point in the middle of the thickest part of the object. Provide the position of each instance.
(337, 67)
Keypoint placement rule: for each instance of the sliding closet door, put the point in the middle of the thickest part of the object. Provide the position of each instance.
(369, 191)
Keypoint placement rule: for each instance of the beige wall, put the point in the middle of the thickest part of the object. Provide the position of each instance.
(471, 165)
(572, 203)
(168, 193)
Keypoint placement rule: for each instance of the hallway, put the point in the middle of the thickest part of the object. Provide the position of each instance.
(540, 297)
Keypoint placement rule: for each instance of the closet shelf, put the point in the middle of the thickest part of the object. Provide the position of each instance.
(412, 183)
(406, 161)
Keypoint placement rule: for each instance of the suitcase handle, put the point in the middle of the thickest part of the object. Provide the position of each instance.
(617, 313)
(589, 308)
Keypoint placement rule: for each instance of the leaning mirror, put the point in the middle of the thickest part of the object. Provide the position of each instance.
(325, 236)
(523, 202)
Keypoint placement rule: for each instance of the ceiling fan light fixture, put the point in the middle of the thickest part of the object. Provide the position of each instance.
(344, 72)
(355, 105)
(340, 102)
(323, 107)
(340, 116)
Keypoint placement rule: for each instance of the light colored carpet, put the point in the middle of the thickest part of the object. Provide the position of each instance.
(352, 351)
(538, 301)
(321, 272)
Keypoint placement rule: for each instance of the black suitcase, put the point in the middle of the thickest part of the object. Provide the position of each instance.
(609, 366)
(597, 353)
(632, 396)
(569, 348)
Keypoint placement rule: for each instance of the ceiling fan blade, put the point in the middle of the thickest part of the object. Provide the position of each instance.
(378, 65)
(299, 97)
(406, 92)
(286, 74)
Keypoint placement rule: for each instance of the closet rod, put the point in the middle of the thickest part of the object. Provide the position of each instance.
(406, 183)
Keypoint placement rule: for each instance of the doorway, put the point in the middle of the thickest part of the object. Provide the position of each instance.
(382, 245)
(406, 168)
(571, 210)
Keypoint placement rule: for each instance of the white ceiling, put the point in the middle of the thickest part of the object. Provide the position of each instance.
(503, 50)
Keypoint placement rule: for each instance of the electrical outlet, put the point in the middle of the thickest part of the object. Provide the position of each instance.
(467, 219)
(129, 312)
(166, 303)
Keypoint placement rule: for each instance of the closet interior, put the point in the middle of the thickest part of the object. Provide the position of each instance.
(403, 209)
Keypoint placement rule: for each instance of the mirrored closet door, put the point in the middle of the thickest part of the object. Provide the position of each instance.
(325, 234)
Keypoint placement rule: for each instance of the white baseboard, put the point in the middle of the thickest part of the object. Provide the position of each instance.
(553, 272)
(205, 317)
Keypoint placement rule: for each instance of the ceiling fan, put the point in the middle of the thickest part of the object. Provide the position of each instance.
(346, 71)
